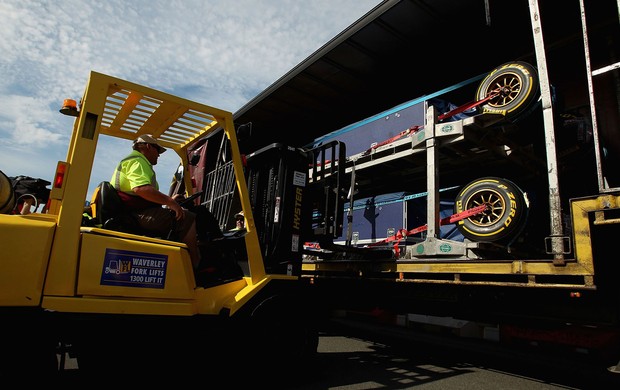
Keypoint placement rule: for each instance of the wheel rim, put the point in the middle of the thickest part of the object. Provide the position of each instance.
(507, 87)
(496, 207)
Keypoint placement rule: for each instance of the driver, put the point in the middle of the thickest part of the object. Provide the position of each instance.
(136, 183)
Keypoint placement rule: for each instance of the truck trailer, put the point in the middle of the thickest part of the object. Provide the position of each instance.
(493, 199)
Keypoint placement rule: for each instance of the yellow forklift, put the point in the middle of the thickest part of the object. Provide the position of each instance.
(76, 282)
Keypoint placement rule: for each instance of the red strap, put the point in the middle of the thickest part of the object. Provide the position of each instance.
(402, 233)
(400, 135)
(445, 115)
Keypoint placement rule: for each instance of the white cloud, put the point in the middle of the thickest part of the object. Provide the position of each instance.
(218, 52)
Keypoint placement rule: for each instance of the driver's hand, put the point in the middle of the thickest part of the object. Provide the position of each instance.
(179, 213)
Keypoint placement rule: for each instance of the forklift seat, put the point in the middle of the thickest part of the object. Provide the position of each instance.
(109, 212)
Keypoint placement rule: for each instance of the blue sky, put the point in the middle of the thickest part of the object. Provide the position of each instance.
(49, 47)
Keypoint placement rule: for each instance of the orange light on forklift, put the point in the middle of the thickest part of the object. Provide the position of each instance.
(59, 178)
(575, 294)
(69, 107)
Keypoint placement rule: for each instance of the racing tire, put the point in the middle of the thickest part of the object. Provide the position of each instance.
(506, 213)
(518, 87)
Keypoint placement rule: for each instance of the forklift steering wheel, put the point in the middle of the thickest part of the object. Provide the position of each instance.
(189, 199)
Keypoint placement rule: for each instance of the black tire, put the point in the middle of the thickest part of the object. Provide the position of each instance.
(506, 213)
(28, 357)
(284, 325)
(7, 194)
(518, 87)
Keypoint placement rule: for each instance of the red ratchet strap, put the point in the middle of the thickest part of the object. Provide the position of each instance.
(468, 106)
(402, 233)
(398, 136)
(443, 116)
(311, 245)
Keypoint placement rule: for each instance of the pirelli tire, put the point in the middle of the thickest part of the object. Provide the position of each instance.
(517, 86)
(506, 213)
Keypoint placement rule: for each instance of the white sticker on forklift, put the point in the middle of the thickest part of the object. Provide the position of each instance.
(299, 179)
(134, 269)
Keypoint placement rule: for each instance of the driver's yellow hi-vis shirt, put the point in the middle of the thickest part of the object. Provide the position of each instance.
(133, 171)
